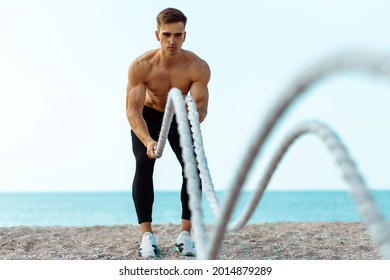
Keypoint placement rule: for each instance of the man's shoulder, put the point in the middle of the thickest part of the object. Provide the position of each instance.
(195, 60)
(143, 63)
(146, 57)
(193, 57)
(198, 69)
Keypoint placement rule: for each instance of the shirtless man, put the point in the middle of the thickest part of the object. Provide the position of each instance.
(150, 78)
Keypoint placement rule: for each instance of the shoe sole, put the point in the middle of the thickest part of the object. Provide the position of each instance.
(156, 251)
(189, 254)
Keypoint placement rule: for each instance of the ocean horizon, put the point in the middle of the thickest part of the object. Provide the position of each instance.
(117, 208)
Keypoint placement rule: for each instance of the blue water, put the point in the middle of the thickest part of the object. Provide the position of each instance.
(116, 208)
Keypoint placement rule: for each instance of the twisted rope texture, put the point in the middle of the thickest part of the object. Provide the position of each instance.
(208, 247)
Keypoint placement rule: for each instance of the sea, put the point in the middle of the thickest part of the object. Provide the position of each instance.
(116, 208)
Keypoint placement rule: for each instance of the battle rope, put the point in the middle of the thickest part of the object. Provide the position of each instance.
(175, 104)
(379, 230)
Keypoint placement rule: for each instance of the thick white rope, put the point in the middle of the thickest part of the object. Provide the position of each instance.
(330, 139)
(360, 193)
(204, 173)
(365, 62)
(166, 124)
(176, 104)
(374, 220)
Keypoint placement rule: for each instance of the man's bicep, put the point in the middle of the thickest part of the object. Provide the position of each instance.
(134, 107)
(199, 90)
(135, 97)
(136, 90)
(200, 94)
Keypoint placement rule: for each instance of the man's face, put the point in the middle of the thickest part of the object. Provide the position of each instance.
(171, 37)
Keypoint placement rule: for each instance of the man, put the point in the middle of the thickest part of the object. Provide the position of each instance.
(150, 78)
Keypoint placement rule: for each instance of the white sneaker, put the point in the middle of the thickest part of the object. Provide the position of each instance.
(184, 245)
(148, 248)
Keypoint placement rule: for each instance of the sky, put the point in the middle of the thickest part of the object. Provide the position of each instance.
(63, 75)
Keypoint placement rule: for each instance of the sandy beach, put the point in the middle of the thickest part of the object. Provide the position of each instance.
(263, 241)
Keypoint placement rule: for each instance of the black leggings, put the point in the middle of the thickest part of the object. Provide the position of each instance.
(143, 190)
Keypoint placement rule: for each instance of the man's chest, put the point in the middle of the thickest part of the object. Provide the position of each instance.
(162, 81)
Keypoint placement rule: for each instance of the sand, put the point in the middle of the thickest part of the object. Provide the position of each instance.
(264, 241)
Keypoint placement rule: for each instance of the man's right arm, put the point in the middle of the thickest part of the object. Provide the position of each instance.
(135, 100)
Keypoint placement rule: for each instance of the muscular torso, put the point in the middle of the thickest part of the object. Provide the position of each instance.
(159, 78)
(152, 76)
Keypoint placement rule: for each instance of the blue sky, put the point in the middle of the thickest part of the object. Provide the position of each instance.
(64, 71)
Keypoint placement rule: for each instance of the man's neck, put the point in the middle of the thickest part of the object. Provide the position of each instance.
(167, 60)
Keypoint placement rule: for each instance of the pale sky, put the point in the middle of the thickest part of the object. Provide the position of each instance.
(63, 69)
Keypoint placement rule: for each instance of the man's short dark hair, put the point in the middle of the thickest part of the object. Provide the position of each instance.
(170, 15)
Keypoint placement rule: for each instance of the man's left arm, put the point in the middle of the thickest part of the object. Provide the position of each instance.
(199, 90)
